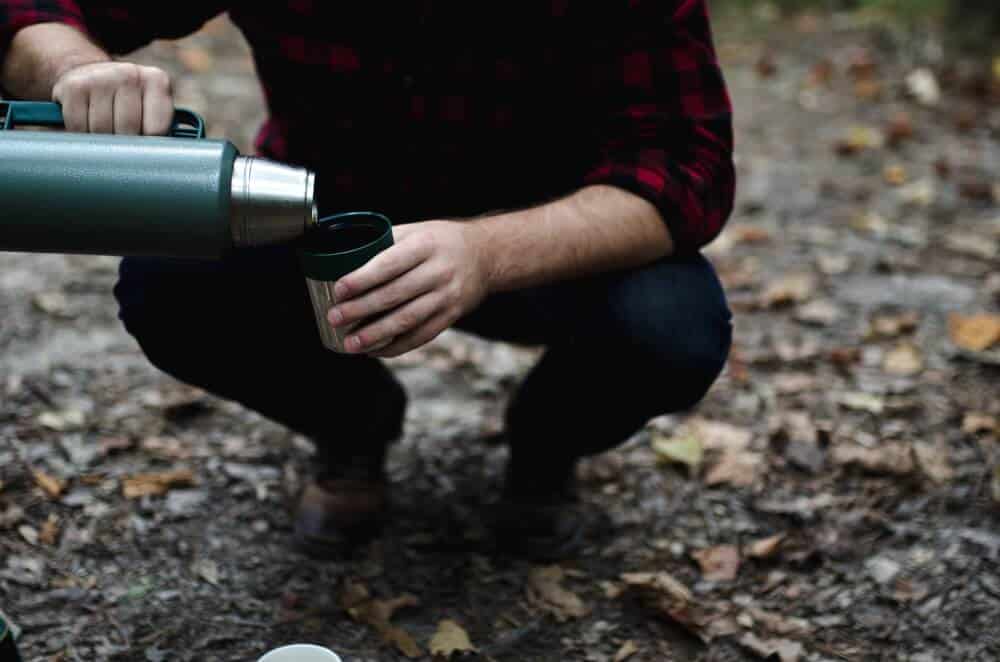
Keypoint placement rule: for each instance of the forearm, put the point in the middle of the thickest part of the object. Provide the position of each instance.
(40, 54)
(596, 229)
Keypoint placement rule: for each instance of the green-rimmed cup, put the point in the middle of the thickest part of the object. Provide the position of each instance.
(8, 649)
(336, 247)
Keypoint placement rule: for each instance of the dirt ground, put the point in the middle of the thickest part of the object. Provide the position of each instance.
(833, 498)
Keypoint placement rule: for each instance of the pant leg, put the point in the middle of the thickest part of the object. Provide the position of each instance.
(243, 329)
(622, 348)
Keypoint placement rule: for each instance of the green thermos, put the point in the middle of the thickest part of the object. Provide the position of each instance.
(176, 196)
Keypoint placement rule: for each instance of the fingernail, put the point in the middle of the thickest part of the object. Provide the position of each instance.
(353, 343)
(335, 317)
(339, 290)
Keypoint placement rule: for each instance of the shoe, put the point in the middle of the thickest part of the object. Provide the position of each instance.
(342, 507)
(539, 519)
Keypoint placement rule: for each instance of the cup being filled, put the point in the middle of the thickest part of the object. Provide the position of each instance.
(336, 247)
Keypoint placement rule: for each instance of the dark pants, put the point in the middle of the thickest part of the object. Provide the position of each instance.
(621, 349)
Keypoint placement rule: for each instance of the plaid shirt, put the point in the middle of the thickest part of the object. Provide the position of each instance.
(435, 109)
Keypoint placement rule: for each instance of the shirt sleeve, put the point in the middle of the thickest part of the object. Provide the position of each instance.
(663, 120)
(119, 27)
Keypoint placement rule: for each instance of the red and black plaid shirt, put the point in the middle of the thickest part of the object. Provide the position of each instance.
(431, 109)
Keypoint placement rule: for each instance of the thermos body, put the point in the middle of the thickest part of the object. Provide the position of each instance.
(176, 196)
(69, 193)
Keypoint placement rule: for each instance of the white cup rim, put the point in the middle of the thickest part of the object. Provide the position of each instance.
(295, 652)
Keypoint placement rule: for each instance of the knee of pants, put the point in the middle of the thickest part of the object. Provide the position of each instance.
(680, 340)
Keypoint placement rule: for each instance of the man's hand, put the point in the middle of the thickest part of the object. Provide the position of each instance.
(434, 273)
(115, 97)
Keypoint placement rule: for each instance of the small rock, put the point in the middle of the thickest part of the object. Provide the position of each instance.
(882, 570)
(185, 502)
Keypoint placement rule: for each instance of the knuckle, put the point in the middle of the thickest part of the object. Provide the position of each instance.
(156, 78)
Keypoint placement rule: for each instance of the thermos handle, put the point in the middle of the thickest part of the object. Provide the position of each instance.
(186, 124)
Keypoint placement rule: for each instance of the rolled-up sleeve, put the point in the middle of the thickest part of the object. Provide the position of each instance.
(118, 27)
(662, 118)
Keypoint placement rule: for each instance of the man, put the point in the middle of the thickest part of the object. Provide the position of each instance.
(601, 129)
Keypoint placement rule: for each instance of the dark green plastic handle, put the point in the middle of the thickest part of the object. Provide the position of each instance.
(186, 124)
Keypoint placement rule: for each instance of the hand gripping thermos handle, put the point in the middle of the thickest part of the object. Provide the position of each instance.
(186, 123)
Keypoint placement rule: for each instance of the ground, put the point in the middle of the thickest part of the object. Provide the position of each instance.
(832, 498)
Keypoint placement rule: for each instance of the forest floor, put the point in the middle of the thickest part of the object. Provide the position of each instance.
(832, 498)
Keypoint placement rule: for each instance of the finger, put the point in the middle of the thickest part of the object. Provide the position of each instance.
(128, 110)
(157, 102)
(387, 265)
(101, 116)
(394, 324)
(75, 103)
(407, 287)
(422, 335)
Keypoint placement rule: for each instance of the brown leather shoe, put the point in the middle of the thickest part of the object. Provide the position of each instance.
(341, 508)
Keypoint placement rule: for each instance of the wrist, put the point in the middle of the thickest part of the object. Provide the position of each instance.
(41, 54)
(478, 237)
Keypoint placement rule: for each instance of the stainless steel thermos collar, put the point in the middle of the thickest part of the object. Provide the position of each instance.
(271, 202)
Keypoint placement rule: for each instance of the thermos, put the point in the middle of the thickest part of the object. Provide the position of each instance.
(175, 196)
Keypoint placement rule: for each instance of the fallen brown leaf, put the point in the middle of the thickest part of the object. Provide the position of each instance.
(546, 592)
(718, 564)
(890, 326)
(673, 601)
(377, 614)
(974, 423)
(933, 461)
(154, 484)
(764, 548)
(207, 569)
(792, 288)
(895, 175)
(750, 234)
(449, 639)
(779, 624)
(975, 333)
(893, 458)
(785, 649)
(627, 650)
(904, 360)
(169, 448)
(49, 534)
(686, 450)
(736, 468)
(51, 485)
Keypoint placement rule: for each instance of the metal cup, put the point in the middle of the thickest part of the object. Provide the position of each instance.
(336, 247)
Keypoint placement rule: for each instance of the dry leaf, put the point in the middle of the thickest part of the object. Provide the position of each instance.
(207, 569)
(141, 485)
(49, 534)
(353, 594)
(672, 600)
(764, 548)
(546, 592)
(894, 175)
(51, 485)
(682, 450)
(894, 458)
(377, 613)
(858, 139)
(974, 423)
(65, 419)
(791, 383)
(890, 326)
(793, 288)
(904, 360)
(975, 333)
(860, 401)
(449, 639)
(750, 234)
(169, 448)
(819, 313)
(933, 461)
(778, 624)
(785, 649)
(627, 650)
(736, 468)
(972, 245)
(718, 564)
